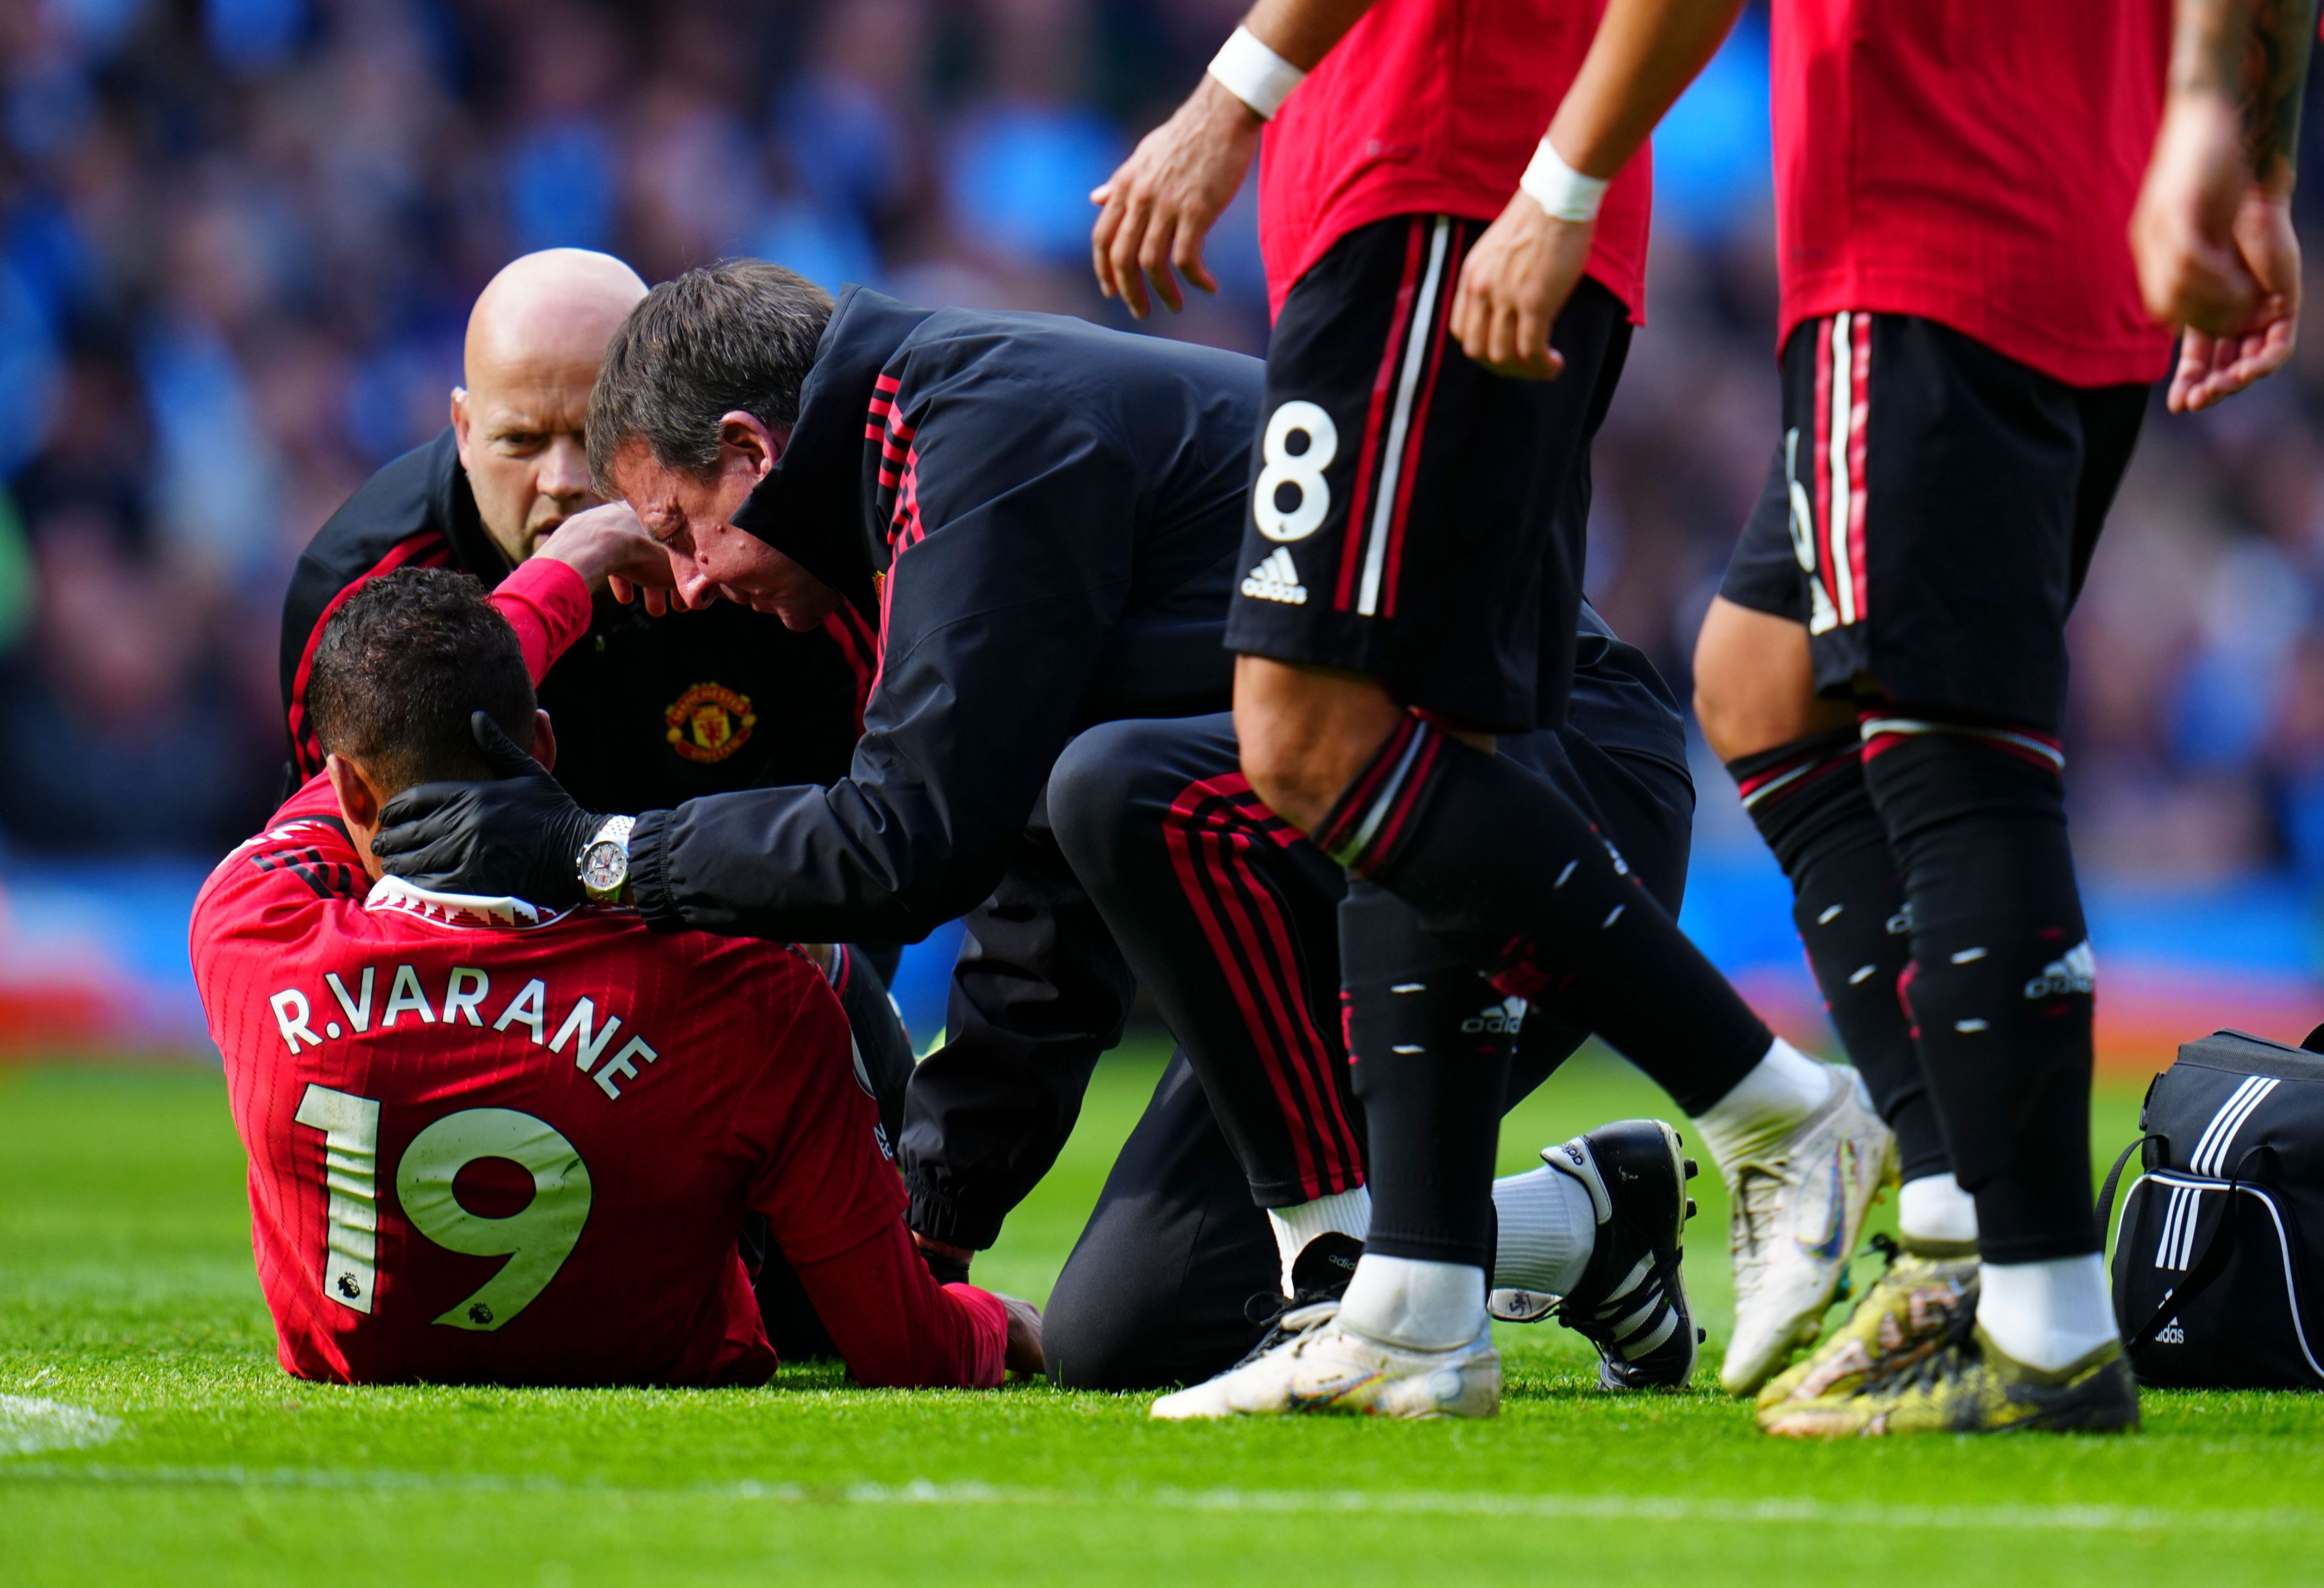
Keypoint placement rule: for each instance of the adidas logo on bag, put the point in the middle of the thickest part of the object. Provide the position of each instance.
(1276, 579)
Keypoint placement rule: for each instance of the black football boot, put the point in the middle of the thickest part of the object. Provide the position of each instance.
(1630, 1302)
(1319, 1278)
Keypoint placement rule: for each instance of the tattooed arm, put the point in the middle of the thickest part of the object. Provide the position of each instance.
(2212, 233)
(2262, 72)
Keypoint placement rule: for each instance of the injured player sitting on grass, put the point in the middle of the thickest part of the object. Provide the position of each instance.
(493, 1141)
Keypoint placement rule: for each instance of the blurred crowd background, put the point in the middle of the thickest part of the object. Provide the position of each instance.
(238, 240)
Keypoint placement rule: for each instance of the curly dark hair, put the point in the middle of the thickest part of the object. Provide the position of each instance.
(402, 662)
(738, 337)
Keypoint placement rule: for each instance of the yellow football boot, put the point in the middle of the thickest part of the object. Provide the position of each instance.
(1964, 1385)
(1904, 1316)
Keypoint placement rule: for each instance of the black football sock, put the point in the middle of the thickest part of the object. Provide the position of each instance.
(1513, 877)
(1809, 802)
(1428, 1054)
(2000, 987)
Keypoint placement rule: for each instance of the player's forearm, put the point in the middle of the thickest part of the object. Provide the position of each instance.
(897, 1328)
(1302, 32)
(2252, 54)
(547, 603)
(808, 864)
(1645, 54)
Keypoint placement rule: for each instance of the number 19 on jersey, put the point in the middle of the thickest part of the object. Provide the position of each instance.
(536, 1238)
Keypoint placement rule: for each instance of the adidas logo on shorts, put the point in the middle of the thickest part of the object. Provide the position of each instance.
(1276, 579)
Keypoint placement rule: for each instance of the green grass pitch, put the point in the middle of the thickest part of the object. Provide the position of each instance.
(126, 1294)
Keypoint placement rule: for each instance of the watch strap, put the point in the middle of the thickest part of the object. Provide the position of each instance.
(614, 830)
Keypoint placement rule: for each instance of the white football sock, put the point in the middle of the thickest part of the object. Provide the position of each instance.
(2046, 1314)
(1548, 1229)
(1766, 1104)
(1415, 1304)
(1343, 1212)
(1933, 1207)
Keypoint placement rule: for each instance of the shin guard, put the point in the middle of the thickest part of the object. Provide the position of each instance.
(1809, 802)
(1429, 1041)
(2000, 989)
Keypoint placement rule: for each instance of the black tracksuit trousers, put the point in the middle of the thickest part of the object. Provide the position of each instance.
(1230, 920)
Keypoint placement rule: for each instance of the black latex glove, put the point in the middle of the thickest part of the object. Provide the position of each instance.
(520, 835)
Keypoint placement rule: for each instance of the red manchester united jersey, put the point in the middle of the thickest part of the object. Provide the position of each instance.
(1435, 106)
(491, 1143)
(1976, 164)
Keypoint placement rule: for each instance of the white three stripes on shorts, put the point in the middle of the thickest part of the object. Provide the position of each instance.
(1843, 407)
(1416, 355)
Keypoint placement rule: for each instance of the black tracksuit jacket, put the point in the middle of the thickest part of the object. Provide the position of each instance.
(1044, 516)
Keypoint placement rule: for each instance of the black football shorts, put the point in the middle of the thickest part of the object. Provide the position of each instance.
(1413, 517)
(1929, 514)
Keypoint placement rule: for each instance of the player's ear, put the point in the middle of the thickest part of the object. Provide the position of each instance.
(460, 423)
(758, 445)
(544, 741)
(358, 803)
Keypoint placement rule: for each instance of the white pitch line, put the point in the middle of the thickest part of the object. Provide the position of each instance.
(1612, 1508)
(29, 1424)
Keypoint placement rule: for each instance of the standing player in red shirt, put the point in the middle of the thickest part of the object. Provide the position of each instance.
(1412, 582)
(1966, 360)
(492, 1141)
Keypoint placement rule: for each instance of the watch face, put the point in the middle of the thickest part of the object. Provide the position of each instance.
(605, 867)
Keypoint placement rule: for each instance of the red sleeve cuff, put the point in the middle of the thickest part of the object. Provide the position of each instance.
(548, 605)
(989, 1320)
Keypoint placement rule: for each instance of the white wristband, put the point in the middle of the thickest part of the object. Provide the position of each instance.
(1255, 74)
(1560, 189)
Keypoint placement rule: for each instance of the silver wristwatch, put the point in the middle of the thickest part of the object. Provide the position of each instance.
(605, 860)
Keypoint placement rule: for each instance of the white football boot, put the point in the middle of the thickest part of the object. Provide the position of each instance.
(1794, 1211)
(1318, 1365)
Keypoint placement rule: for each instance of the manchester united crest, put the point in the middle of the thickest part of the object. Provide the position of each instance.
(710, 722)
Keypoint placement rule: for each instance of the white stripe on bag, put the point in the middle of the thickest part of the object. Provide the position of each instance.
(2178, 1219)
(1843, 411)
(2203, 1142)
(1414, 347)
(2210, 1155)
(2187, 1226)
(2227, 1141)
(2170, 1223)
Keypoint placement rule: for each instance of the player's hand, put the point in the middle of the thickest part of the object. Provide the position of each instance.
(1162, 202)
(1513, 285)
(2181, 228)
(2215, 254)
(609, 547)
(519, 836)
(2214, 368)
(1024, 1335)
